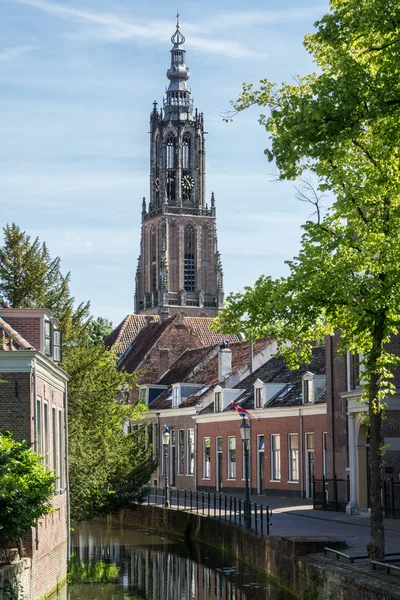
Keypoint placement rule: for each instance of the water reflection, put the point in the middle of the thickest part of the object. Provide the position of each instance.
(114, 563)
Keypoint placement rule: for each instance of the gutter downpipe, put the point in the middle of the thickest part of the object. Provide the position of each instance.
(35, 440)
(302, 475)
(332, 406)
(67, 473)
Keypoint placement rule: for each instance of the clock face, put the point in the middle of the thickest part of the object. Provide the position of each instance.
(157, 185)
(187, 182)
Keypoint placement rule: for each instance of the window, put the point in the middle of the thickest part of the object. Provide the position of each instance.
(176, 396)
(181, 452)
(47, 338)
(61, 448)
(218, 402)
(293, 457)
(54, 444)
(276, 457)
(46, 434)
(308, 396)
(57, 346)
(258, 398)
(206, 458)
(153, 255)
(186, 152)
(232, 457)
(190, 261)
(39, 446)
(190, 451)
(325, 453)
(170, 151)
(310, 441)
(142, 396)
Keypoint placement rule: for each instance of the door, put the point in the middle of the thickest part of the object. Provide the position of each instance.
(260, 464)
(219, 464)
(309, 464)
(173, 458)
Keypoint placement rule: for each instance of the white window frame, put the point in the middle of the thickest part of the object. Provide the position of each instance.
(232, 464)
(218, 402)
(290, 456)
(181, 452)
(275, 458)
(46, 434)
(190, 451)
(176, 396)
(206, 453)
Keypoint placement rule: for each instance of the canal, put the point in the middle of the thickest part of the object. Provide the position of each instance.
(113, 563)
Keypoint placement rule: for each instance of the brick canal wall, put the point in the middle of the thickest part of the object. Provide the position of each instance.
(294, 563)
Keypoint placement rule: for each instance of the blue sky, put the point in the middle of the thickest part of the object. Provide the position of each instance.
(78, 79)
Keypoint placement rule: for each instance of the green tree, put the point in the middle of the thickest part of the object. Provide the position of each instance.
(30, 278)
(342, 124)
(26, 489)
(109, 468)
(97, 331)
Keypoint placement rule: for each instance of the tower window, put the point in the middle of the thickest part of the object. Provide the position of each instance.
(170, 151)
(190, 261)
(153, 254)
(186, 151)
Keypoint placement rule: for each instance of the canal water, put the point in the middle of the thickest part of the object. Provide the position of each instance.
(113, 563)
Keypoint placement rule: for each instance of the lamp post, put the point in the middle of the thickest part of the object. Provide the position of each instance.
(165, 435)
(244, 429)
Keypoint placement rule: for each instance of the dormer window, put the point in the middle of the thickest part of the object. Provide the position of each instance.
(313, 386)
(258, 394)
(308, 396)
(218, 402)
(57, 346)
(48, 338)
(176, 396)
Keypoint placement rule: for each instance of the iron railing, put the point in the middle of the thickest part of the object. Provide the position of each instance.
(391, 498)
(331, 494)
(253, 516)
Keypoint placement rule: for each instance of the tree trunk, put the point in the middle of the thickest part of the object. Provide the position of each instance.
(376, 547)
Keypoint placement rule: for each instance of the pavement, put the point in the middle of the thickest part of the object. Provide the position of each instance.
(297, 517)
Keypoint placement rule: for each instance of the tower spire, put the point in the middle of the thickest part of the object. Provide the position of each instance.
(178, 104)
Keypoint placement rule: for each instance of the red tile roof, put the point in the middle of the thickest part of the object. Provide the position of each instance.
(143, 343)
(240, 356)
(184, 366)
(11, 339)
(123, 335)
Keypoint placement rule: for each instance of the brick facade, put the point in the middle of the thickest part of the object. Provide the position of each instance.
(280, 425)
(33, 408)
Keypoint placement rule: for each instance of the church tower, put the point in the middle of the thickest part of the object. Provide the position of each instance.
(179, 266)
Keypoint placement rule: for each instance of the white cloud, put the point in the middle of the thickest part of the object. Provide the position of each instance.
(109, 27)
(12, 53)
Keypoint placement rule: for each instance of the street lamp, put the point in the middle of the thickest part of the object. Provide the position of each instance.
(244, 429)
(165, 435)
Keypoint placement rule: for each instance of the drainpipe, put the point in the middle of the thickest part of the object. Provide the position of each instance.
(35, 440)
(251, 349)
(333, 408)
(158, 448)
(301, 454)
(67, 473)
(195, 454)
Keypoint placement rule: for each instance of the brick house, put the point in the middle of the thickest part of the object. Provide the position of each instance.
(347, 431)
(186, 387)
(158, 343)
(288, 443)
(33, 406)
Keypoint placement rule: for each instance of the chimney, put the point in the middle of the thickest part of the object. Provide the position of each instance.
(224, 361)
